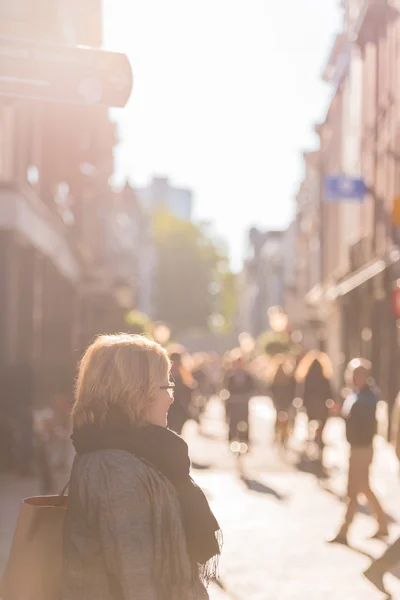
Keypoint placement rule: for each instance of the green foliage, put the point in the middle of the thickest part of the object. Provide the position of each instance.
(138, 323)
(228, 298)
(187, 264)
(272, 343)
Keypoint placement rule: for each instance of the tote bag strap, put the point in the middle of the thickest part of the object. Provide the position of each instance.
(62, 494)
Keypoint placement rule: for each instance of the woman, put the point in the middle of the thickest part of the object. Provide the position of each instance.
(137, 526)
(313, 376)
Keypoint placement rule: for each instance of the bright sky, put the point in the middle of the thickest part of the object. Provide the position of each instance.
(225, 97)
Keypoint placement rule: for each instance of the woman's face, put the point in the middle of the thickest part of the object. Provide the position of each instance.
(162, 401)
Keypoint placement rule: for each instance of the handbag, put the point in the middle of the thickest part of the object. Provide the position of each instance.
(34, 566)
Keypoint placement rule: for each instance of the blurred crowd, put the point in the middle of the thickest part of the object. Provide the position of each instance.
(302, 385)
(293, 385)
(38, 440)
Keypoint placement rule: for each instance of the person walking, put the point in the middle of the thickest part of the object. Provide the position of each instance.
(391, 557)
(359, 412)
(137, 526)
(240, 385)
(179, 412)
(282, 388)
(204, 385)
(313, 376)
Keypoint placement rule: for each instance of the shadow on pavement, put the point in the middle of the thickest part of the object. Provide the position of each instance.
(395, 571)
(362, 552)
(200, 467)
(312, 467)
(329, 490)
(256, 486)
(363, 509)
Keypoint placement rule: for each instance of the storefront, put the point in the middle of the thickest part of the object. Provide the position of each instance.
(370, 325)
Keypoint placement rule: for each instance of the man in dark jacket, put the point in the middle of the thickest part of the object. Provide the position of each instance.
(240, 386)
(179, 411)
(359, 412)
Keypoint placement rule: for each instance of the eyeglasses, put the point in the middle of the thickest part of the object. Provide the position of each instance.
(169, 387)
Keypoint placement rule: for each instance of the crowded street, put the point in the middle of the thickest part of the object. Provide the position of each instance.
(276, 519)
(275, 516)
(199, 300)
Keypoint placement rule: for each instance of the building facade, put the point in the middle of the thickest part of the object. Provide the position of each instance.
(55, 224)
(366, 292)
(261, 284)
(358, 243)
(302, 274)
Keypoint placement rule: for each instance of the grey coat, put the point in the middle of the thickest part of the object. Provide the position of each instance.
(124, 538)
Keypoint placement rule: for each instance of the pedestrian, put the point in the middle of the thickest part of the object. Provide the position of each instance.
(378, 568)
(44, 430)
(314, 375)
(179, 412)
(282, 388)
(137, 526)
(62, 417)
(239, 385)
(203, 382)
(359, 412)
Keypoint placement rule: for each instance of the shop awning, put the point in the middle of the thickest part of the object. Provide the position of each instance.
(348, 284)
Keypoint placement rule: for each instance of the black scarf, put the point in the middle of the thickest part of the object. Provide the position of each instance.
(168, 452)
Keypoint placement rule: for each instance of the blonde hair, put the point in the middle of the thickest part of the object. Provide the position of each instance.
(119, 370)
(306, 362)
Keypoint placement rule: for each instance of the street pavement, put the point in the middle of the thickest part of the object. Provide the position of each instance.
(276, 517)
(274, 514)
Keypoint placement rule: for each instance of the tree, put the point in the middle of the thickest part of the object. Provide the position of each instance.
(273, 343)
(187, 263)
(138, 323)
(226, 302)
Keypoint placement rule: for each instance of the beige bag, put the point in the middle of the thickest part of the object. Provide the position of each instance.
(34, 566)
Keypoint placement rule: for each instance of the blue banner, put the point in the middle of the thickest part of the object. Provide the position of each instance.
(341, 188)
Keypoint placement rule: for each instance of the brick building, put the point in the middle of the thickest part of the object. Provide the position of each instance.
(358, 244)
(55, 163)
